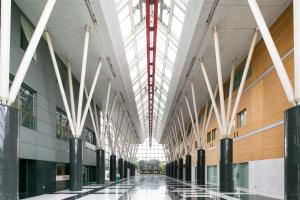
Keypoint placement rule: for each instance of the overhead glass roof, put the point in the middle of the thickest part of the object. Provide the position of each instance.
(131, 14)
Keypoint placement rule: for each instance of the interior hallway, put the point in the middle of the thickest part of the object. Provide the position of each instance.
(149, 187)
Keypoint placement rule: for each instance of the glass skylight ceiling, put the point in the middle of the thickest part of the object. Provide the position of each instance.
(131, 14)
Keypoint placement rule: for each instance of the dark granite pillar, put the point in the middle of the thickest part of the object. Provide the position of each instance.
(9, 153)
(100, 166)
(180, 170)
(120, 167)
(112, 168)
(188, 168)
(292, 153)
(125, 169)
(201, 167)
(131, 169)
(76, 179)
(168, 169)
(226, 171)
(172, 169)
(175, 169)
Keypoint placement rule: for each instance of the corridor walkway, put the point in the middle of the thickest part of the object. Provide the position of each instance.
(150, 187)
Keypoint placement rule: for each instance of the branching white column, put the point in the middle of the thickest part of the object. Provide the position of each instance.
(82, 78)
(213, 101)
(71, 91)
(5, 50)
(24, 65)
(220, 79)
(106, 108)
(241, 88)
(76, 129)
(60, 84)
(278, 64)
(82, 121)
(230, 93)
(191, 116)
(196, 113)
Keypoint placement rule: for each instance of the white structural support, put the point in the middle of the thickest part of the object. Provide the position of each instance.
(191, 117)
(198, 138)
(60, 84)
(183, 127)
(75, 126)
(230, 92)
(244, 77)
(85, 111)
(71, 91)
(182, 134)
(106, 133)
(224, 126)
(296, 13)
(82, 78)
(24, 65)
(213, 101)
(206, 125)
(278, 64)
(5, 50)
(219, 73)
(94, 118)
(106, 108)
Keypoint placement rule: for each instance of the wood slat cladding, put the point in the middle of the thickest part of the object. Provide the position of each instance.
(265, 102)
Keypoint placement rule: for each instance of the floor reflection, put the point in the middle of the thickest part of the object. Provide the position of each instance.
(150, 187)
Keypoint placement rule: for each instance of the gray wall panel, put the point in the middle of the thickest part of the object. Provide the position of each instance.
(42, 143)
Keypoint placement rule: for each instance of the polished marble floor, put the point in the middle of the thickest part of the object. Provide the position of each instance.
(150, 187)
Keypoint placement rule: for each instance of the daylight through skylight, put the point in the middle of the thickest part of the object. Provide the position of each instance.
(171, 15)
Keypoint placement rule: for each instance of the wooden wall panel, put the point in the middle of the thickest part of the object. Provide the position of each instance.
(265, 103)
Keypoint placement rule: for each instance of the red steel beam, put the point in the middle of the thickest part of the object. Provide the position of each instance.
(151, 29)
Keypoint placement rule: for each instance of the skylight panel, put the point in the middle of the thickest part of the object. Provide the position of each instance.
(126, 27)
(165, 87)
(171, 55)
(176, 27)
(178, 13)
(135, 87)
(124, 12)
(130, 55)
(134, 73)
(168, 73)
(131, 15)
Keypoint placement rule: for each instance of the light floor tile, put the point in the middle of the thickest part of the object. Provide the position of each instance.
(51, 197)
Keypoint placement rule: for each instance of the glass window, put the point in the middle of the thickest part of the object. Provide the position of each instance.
(155, 152)
(25, 103)
(62, 125)
(213, 134)
(131, 15)
(212, 174)
(241, 118)
(208, 138)
(241, 175)
(90, 136)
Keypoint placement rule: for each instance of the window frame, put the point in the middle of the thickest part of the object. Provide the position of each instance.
(240, 123)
